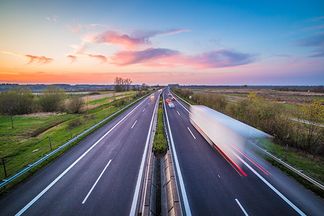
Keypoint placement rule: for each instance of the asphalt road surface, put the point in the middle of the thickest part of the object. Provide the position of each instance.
(96, 177)
(211, 186)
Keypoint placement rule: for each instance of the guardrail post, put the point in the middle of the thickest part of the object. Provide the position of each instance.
(50, 143)
(4, 167)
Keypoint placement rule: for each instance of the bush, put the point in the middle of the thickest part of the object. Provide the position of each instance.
(52, 100)
(74, 105)
(74, 123)
(16, 102)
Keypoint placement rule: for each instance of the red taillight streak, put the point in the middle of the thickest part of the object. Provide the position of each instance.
(253, 162)
(236, 167)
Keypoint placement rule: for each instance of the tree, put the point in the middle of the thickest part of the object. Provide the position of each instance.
(52, 99)
(118, 84)
(15, 102)
(313, 114)
(122, 84)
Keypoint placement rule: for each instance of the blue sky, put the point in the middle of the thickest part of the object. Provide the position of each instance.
(226, 42)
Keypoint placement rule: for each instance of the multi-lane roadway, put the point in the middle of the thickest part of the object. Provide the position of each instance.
(101, 175)
(213, 186)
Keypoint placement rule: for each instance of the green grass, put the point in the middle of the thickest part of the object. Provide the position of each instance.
(310, 165)
(110, 98)
(160, 145)
(20, 149)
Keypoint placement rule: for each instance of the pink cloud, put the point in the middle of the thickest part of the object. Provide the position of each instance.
(138, 38)
(101, 58)
(167, 57)
(38, 59)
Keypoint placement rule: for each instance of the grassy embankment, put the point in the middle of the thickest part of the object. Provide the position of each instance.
(160, 143)
(35, 135)
(295, 155)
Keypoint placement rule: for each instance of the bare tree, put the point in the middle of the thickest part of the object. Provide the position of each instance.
(122, 84)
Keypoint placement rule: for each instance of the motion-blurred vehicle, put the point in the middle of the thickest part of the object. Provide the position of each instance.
(171, 105)
(223, 132)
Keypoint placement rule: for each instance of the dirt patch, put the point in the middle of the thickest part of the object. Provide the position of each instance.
(42, 114)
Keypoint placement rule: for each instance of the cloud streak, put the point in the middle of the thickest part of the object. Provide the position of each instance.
(167, 57)
(316, 42)
(101, 58)
(72, 58)
(131, 41)
(30, 58)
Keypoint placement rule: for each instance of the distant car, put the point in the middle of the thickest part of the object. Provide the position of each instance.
(171, 105)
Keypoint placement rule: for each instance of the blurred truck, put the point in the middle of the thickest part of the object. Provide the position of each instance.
(222, 131)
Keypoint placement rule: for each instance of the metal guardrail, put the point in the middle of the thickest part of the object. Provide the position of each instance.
(291, 168)
(47, 156)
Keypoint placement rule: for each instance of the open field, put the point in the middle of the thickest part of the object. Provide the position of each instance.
(36, 134)
(290, 101)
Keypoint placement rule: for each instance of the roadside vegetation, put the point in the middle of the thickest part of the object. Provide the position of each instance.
(300, 144)
(32, 125)
(160, 145)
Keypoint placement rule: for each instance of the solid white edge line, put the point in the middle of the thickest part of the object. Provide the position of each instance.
(268, 184)
(73, 164)
(300, 212)
(241, 207)
(180, 103)
(141, 170)
(191, 133)
(94, 185)
(176, 162)
(134, 124)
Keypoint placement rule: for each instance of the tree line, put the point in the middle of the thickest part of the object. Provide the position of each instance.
(22, 101)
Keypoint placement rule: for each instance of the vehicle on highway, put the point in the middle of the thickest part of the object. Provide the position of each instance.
(171, 105)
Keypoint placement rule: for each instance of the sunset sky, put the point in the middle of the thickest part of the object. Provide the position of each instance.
(158, 42)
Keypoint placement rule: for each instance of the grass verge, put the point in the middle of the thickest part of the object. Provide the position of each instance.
(160, 145)
(308, 164)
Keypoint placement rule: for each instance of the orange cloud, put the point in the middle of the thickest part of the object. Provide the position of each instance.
(101, 58)
(38, 59)
(73, 58)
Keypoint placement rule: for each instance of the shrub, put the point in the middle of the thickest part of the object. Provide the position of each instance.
(15, 102)
(52, 100)
(74, 104)
(74, 123)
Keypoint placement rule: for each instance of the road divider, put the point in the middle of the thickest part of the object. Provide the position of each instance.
(181, 186)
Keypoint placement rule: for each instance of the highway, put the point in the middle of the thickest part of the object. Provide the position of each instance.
(210, 185)
(99, 176)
